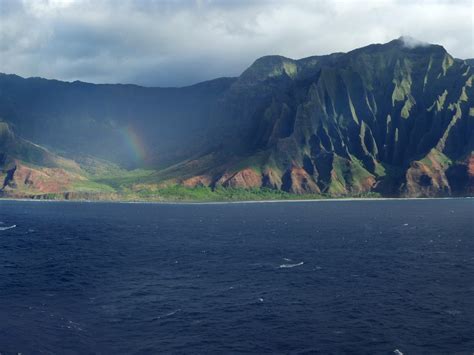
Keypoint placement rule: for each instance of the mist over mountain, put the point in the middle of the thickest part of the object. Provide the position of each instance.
(396, 119)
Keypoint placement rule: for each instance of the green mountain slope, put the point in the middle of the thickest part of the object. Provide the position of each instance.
(386, 119)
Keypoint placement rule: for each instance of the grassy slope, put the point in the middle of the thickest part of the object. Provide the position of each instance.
(137, 185)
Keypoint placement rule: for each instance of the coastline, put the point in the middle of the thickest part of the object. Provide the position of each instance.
(197, 202)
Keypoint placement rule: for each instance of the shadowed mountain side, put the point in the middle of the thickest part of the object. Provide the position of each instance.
(386, 118)
(127, 124)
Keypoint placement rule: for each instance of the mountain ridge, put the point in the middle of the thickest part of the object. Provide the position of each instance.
(390, 119)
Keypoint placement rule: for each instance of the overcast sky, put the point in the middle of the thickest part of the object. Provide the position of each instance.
(176, 43)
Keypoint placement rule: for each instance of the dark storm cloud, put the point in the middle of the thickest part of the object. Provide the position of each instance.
(171, 43)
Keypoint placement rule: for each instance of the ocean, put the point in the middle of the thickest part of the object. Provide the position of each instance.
(372, 276)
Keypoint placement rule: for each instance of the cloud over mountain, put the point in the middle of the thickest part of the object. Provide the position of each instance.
(182, 42)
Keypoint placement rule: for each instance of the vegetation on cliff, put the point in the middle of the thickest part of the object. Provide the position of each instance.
(383, 120)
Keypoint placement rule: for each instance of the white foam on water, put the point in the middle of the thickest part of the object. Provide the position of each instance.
(287, 266)
(397, 352)
(453, 312)
(169, 314)
(172, 313)
(6, 228)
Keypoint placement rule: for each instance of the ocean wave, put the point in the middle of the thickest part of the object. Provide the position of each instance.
(287, 266)
(172, 313)
(169, 314)
(9, 227)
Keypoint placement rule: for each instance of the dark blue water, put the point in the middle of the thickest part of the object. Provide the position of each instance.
(327, 277)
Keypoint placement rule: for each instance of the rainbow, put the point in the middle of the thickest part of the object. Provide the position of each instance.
(133, 141)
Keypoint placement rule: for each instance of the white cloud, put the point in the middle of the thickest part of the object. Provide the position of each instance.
(411, 42)
(162, 42)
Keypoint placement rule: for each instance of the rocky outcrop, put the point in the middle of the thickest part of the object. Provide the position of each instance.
(197, 181)
(298, 181)
(246, 178)
(461, 177)
(423, 180)
(436, 175)
(272, 179)
(25, 179)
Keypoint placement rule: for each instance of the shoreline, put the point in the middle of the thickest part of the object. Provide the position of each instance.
(196, 202)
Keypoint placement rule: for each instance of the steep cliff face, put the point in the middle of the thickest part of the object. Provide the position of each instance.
(385, 118)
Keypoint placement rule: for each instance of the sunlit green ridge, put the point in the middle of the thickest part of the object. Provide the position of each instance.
(388, 119)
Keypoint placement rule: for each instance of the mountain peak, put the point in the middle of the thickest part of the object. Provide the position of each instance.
(411, 42)
(408, 42)
(403, 44)
(276, 65)
(271, 66)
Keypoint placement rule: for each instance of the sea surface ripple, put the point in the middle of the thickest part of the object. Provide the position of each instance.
(311, 277)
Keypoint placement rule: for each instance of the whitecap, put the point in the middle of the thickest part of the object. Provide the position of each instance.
(168, 314)
(287, 266)
(453, 312)
(172, 313)
(397, 352)
(9, 227)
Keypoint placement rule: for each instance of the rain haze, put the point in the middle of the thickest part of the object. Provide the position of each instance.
(178, 43)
